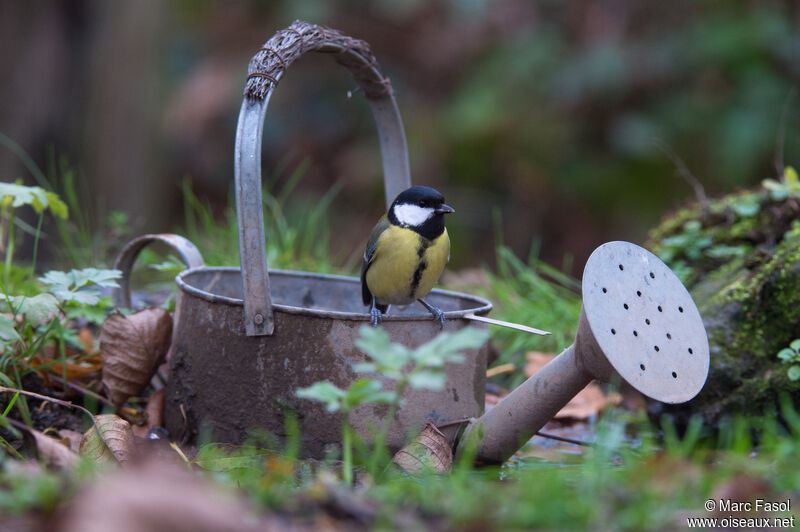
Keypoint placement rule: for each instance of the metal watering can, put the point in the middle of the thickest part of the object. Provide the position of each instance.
(245, 339)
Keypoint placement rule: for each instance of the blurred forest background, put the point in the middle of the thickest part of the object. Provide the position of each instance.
(543, 122)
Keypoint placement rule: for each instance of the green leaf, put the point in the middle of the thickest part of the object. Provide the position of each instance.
(364, 391)
(389, 358)
(795, 345)
(794, 373)
(787, 354)
(446, 347)
(692, 226)
(427, 379)
(95, 313)
(37, 197)
(324, 392)
(790, 177)
(5, 380)
(37, 310)
(93, 276)
(66, 286)
(722, 251)
(746, 207)
(171, 265)
(7, 331)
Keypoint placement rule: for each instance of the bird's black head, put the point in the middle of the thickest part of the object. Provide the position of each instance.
(421, 209)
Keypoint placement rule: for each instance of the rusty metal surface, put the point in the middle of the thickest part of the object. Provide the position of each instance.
(265, 70)
(231, 382)
(637, 322)
(187, 251)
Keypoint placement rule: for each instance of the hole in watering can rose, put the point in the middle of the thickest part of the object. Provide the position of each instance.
(635, 333)
(621, 267)
(639, 293)
(647, 321)
(641, 366)
(690, 351)
(660, 309)
(656, 348)
(674, 375)
(680, 309)
(613, 331)
(625, 305)
(652, 275)
(669, 336)
(604, 290)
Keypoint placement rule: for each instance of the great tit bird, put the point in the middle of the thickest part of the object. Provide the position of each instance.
(406, 253)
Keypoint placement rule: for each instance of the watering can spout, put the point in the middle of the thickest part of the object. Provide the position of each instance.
(638, 323)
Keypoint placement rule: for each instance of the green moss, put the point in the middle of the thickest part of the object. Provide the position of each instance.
(749, 299)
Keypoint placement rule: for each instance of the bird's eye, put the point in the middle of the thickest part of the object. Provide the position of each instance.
(422, 203)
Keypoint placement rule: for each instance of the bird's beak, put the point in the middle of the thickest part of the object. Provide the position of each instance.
(444, 209)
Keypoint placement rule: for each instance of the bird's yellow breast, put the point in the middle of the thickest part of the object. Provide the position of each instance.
(406, 266)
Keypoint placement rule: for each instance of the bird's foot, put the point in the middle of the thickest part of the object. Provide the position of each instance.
(438, 314)
(374, 314)
(374, 317)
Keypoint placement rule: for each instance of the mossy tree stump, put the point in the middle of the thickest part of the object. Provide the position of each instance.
(739, 256)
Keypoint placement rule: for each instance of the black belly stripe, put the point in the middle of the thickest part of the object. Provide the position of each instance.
(415, 280)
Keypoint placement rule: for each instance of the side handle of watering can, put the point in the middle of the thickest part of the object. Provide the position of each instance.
(265, 70)
(187, 251)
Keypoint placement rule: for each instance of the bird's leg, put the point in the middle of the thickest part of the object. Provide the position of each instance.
(438, 314)
(374, 314)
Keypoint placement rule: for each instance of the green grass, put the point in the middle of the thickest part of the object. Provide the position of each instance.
(296, 227)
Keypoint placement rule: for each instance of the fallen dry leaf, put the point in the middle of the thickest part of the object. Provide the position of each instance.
(429, 450)
(159, 496)
(118, 438)
(86, 339)
(536, 361)
(589, 402)
(71, 439)
(133, 346)
(53, 451)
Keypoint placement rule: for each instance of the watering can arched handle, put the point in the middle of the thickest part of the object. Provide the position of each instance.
(265, 70)
(187, 251)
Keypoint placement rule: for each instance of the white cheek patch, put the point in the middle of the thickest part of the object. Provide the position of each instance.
(412, 215)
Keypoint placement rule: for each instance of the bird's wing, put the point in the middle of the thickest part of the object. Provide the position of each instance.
(369, 254)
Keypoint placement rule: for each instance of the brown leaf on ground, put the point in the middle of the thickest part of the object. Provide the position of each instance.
(118, 437)
(429, 450)
(536, 361)
(71, 439)
(160, 497)
(589, 402)
(86, 339)
(52, 451)
(133, 346)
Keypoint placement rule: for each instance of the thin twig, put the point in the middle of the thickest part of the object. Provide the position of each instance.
(683, 171)
(66, 404)
(780, 141)
(565, 440)
(81, 389)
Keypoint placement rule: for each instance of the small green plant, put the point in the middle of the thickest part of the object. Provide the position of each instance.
(791, 355)
(788, 186)
(28, 323)
(13, 196)
(422, 367)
